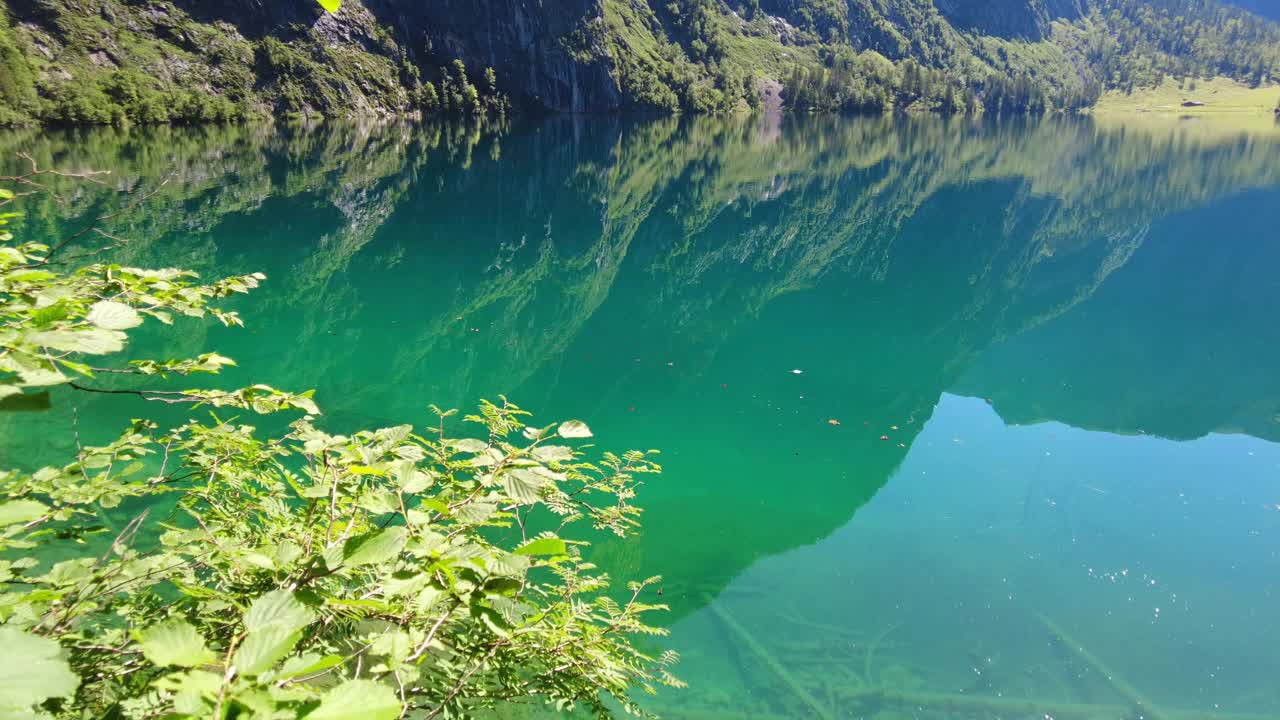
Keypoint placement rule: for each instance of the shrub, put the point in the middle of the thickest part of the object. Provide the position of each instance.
(300, 574)
(17, 83)
(83, 103)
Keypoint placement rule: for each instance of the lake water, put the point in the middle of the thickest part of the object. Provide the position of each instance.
(959, 419)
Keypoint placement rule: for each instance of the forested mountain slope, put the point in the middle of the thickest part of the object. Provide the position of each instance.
(102, 61)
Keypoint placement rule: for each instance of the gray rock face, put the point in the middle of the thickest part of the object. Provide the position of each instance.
(544, 51)
(1027, 19)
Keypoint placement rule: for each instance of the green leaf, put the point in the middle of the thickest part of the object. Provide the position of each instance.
(379, 501)
(31, 276)
(15, 512)
(265, 647)
(274, 623)
(395, 644)
(191, 690)
(278, 608)
(259, 560)
(413, 453)
(523, 485)
(365, 470)
(470, 445)
(508, 564)
(475, 512)
(492, 619)
(410, 478)
(41, 376)
(111, 315)
(358, 700)
(32, 670)
(92, 341)
(574, 429)
(304, 403)
(543, 546)
(45, 315)
(330, 6)
(309, 664)
(53, 313)
(375, 547)
(174, 642)
(553, 453)
(77, 367)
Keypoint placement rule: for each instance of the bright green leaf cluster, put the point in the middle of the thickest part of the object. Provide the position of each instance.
(51, 320)
(393, 572)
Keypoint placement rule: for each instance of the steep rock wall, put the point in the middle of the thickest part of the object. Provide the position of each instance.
(1026, 20)
(541, 49)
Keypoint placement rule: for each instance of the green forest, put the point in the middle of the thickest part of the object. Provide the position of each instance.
(116, 61)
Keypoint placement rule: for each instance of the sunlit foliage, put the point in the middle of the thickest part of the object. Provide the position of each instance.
(394, 572)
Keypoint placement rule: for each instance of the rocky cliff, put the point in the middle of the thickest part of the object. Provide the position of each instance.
(130, 61)
(541, 49)
(1029, 20)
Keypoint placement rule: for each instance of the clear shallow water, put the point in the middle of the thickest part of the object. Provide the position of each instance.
(1050, 348)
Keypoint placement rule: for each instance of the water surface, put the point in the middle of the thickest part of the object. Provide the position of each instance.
(959, 419)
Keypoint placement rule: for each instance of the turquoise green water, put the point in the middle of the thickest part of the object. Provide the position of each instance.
(1050, 349)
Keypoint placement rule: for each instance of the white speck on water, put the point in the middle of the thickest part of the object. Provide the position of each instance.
(797, 372)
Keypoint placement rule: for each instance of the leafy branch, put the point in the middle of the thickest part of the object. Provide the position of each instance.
(391, 572)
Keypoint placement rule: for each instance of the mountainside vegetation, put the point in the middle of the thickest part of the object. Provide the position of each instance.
(118, 61)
